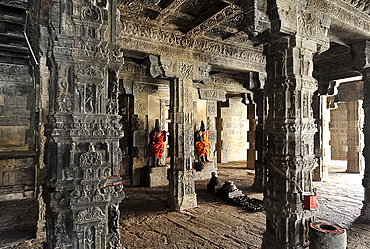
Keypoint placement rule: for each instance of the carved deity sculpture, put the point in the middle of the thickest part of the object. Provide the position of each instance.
(157, 143)
(202, 143)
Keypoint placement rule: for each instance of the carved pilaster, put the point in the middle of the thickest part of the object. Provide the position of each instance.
(83, 132)
(290, 129)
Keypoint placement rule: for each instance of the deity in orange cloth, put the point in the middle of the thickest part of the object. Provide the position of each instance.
(202, 143)
(157, 143)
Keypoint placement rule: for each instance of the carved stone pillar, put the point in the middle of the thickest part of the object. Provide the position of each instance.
(290, 129)
(251, 113)
(322, 137)
(260, 99)
(83, 131)
(181, 175)
(365, 212)
(182, 95)
(140, 132)
(361, 54)
(351, 93)
(354, 135)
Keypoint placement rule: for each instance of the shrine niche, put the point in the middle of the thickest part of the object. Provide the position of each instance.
(141, 103)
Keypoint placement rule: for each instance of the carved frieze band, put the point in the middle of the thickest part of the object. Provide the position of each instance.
(212, 94)
(195, 71)
(15, 4)
(156, 41)
(340, 13)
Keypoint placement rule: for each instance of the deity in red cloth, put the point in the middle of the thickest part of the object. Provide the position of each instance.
(202, 143)
(157, 143)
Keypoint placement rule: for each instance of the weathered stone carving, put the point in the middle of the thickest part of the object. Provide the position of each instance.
(83, 132)
(155, 69)
(290, 94)
(212, 94)
(338, 12)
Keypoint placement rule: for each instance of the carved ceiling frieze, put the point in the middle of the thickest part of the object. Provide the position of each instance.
(227, 13)
(335, 9)
(170, 44)
(362, 5)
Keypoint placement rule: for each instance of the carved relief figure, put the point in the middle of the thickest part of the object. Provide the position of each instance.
(157, 143)
(202, 143)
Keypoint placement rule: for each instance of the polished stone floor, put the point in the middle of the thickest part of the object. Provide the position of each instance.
(147, 222)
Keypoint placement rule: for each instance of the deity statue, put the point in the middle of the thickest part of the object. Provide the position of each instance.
(202, 143)
(157, 143)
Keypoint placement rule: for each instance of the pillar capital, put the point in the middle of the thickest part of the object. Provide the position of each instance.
(295, 18)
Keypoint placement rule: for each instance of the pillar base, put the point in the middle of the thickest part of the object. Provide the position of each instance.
(269, 242)
(365, 212)
(182, 194)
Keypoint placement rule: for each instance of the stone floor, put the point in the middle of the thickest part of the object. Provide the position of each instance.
(146, 221)
(340, 202)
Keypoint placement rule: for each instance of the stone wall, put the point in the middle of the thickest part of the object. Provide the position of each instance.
(338, 132)
(236, 128)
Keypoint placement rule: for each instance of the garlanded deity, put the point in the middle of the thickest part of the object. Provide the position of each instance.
(157, 143)
(202, 143)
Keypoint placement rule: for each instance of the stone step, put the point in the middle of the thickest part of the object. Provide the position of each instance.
(14, 54)
(11, 35)
(14, 48)
(14, 19)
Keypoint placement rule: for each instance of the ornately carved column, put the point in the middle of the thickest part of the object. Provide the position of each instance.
(84, 189)
(181, 174)
(361, 52)
(365, 212)
(290, 129)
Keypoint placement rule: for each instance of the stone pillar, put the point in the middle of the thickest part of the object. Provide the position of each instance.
(181, 175)
(290, 129)
(354, 137)
(140, 132)
(322, 137)
(212, 132)
(83, 131)
(260, 99)
(361, 61)
(182, 106)
(251, 113)
(350, 94)
(365, 212)
(338, 130)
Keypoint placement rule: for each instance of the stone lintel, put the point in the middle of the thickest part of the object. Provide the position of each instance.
(350, 91)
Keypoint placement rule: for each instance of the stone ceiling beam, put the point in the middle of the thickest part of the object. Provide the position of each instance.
(170, 9)
(223, 16)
